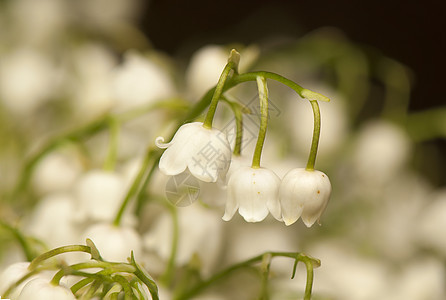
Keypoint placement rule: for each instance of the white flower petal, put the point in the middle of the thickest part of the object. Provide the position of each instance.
(206, 152)
(304, 193)
(252, 189)
(175, 159)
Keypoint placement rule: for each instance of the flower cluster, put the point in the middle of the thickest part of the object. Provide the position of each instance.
(252, 190)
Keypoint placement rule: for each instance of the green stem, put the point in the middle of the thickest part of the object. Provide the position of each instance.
(263, 98)
(217, 94)
(80, 284)
(108, 267)
(310, 275)
(237, 110)
(170, 269)
(145, 278)
(56, 142)
(252, 76)
(110, 161)
(134, 187)
(266, 264)
(64, 249)
(316, 135)
(29, 253)
(224, 273)
(128, 292)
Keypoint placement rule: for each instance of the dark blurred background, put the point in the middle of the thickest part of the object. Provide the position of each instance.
(409, 31)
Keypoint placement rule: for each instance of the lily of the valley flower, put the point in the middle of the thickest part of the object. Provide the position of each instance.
(304, 193)
(254, 192)
(206, 152)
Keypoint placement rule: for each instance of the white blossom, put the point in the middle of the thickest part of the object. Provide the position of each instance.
(254, 192)
(205, 152)
(304, 193)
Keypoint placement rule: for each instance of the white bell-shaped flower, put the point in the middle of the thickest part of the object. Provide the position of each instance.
(304, 193)
(254, 192)
(41, 289)
(206, 152)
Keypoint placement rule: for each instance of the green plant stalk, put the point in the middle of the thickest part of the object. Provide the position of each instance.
(217, 94)
(316, 134)
(80, 284)
(107, 266)
(238, 114)
(310, 276)
(167, 277)
(263, 98)
(134, 187)
(145, 278)
(112, 154)
(27, 250)
(204, 102)
(64, 249)
(128, 292)
(251, 76)
(224, 273)
(266, 264)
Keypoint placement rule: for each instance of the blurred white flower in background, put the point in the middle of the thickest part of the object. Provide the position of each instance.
(381, 150)
(200, 233)
(431, 223)
(139, 81)
(53, 220)
(98, 195)
(115, 243)
(90, 80)
(57, 172)
(41, 289)
(28, 78)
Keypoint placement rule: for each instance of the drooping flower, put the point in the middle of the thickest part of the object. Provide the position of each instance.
(304, 193)
(254, 192)
(206, 152)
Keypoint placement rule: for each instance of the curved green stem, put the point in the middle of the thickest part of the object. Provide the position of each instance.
(217, 94)
(252, 76)
(263, 98)
(108, 267)
(27, 250)
(145, 278)
(316, 135)
(136, 185)
(224, 273)
(237, 110)
(64, 249)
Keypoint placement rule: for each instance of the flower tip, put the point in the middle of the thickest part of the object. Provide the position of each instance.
(234, 57)
(308, 222)
(159, 142)
(289, 222)
(226, 217)
(310, 95)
